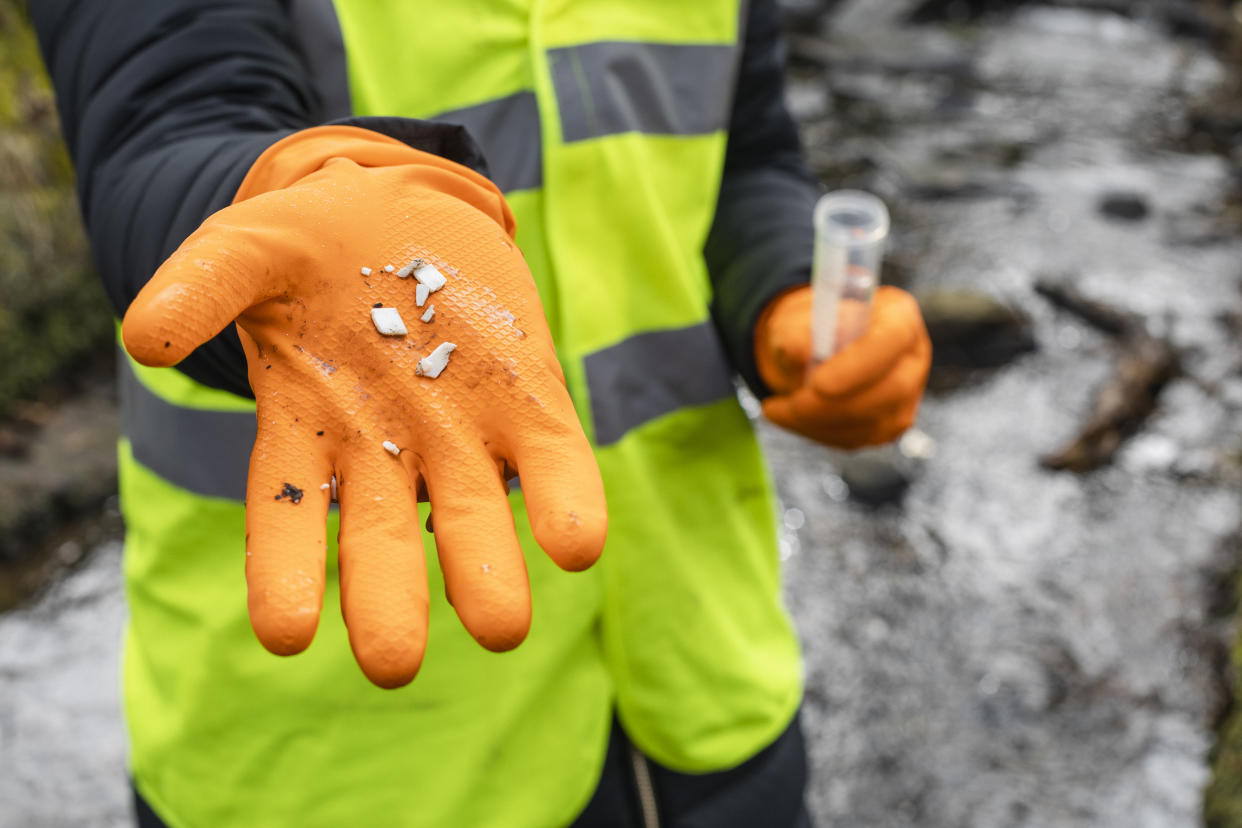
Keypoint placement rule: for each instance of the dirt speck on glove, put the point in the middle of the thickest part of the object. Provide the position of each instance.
(290, 492)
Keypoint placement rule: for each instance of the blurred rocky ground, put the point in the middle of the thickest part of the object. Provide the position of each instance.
(990, 642)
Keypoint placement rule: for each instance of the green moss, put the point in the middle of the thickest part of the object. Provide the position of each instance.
(1222, 804)
(53, 312)
(1222, 807)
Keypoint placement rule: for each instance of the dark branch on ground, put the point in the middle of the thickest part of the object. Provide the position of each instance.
(1124, 401)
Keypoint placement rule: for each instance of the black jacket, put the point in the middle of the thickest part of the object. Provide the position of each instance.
(165, 104)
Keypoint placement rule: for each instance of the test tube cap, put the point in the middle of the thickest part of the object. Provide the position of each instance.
(851, 218)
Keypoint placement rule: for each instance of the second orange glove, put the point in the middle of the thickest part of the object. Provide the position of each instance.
(865, 394)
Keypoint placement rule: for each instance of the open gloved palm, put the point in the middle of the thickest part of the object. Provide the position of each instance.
(335, 397)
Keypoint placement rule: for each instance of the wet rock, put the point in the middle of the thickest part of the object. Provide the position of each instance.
(1124, 206)
(875, 477)
(973, 330)
(67, 470)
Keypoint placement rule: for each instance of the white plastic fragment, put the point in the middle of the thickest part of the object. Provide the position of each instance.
(435, 362)
(388, 321)
(366, 271)
(408, 269)
(325, 486)
(420, 294)
(427, 314)
(389, 268)
(391, 448)
(429, 276)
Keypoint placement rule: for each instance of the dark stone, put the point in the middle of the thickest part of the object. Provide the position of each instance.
(1124, 206)
(972, 330)
(874, 478)
(66, 468)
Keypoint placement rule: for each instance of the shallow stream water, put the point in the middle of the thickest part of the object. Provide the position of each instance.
(1015, 646)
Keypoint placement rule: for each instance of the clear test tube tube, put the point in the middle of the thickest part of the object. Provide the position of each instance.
(851, 227)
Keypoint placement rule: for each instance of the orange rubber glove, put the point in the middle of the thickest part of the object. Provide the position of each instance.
(867, 393)
(336, 397)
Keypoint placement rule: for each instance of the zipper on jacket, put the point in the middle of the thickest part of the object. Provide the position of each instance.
(646, 791)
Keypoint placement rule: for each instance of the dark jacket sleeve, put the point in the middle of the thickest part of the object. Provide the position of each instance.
(761, 240)
(165, 105)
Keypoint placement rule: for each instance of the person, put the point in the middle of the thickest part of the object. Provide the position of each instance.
(326, 176)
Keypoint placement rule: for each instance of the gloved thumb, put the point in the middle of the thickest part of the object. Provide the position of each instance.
(222, 269)
(783, 340)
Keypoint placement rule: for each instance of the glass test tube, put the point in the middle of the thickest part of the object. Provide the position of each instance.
(850, 229)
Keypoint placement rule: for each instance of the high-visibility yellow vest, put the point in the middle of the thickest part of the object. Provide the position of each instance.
(604, 122)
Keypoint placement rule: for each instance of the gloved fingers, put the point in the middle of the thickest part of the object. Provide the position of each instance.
(383, 571)
(841, 434)
(896, 328)
(561, 484)
(903, 385)
(484, 571)
(286, 509)
(790, 354)
(222, 269)
(784, 410)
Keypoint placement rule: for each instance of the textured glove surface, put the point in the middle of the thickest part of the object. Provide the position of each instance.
(865, 394)
(286, 264)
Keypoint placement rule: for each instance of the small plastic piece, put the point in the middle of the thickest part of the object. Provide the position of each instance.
(420, 294)
(388, 321)
(434, 363)
(429, 313)
(429, 276)
(391, 448)
(366, 271)
(408, 269)
(389, 268)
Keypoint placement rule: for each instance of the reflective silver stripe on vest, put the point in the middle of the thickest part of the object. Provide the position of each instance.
(318, 32)
(205, 452)
(507, 129)
(652, 374)
(611, 87)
